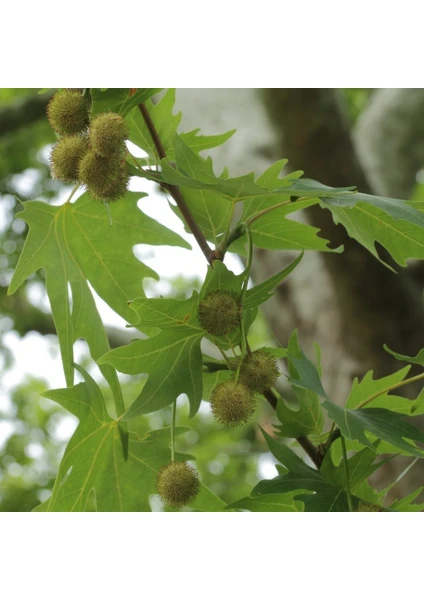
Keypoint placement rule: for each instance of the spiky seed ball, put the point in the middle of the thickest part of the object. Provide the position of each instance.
(368, 507)
(66, 156)
(219, 312)
(67, 112)
(106, 179)
(232, 403)
(259, 371)
(108, 132)
(177, 484)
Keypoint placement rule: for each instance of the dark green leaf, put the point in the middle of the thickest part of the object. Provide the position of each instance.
(301, 478)
(303, 374)
(271, 503)
(360, 466)
(384, 424)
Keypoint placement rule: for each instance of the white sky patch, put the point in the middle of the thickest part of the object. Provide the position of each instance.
(266, 466)
(65, 428)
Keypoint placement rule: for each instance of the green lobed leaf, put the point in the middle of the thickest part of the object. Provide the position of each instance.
(360, 467)
(384, 424)
(172, 358)
(303, 373)
(110, 99)
(211, 211)
(407, 504)
(308, 417)
(301, 478)
(75, 243)
(395, 224)
(364, 390)
(272, 231)
(305, 420)
(93, 472)
(398, 210)
(271, 503)
(119, 100)
(198, 143)
(416, 360)
(219, 277)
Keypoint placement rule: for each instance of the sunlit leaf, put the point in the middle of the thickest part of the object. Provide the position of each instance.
(76, 243)
(93, 474)
(172, 358)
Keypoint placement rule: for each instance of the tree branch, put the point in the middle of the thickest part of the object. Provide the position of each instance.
(175, 191)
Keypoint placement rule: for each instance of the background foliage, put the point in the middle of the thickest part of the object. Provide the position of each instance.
(30, 454)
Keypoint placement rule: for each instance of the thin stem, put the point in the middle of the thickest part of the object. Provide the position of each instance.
(265, 211)
(108, 213)
(175, 192)
(392, 387)
(174, 413)
(223, 244)
(248, 264)
(242, 298)
(72, 193)
(243, 349)
(225, 357)
(346, 466)
(404, 472)
(149, 174)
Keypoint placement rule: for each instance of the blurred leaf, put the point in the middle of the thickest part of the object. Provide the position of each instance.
(271, 503)
(406, 504)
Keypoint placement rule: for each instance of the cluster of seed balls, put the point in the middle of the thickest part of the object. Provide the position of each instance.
(232, 402)
(91, 152)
